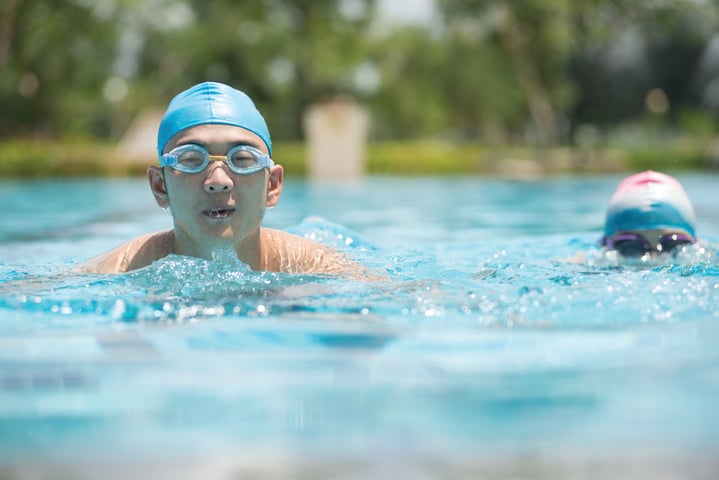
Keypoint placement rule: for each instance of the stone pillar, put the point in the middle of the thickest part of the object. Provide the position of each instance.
(336, 139)
(139, 143)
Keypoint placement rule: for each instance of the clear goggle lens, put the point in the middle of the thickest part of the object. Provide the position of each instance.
(242, 159)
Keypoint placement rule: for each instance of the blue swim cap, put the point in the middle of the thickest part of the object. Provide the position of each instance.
(208, 103)
(649, 201)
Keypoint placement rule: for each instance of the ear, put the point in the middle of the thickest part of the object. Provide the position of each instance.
(157, 186)
(274, 187)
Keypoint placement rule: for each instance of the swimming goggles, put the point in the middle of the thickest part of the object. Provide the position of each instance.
(636, 245)
(191, 158)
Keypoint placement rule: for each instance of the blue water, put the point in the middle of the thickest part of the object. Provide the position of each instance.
(484, 350)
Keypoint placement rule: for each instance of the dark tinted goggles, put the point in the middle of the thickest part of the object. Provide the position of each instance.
(636, 245)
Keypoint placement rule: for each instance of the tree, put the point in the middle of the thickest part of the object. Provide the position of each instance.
(284, 54)
(533, 35)
(52, 72)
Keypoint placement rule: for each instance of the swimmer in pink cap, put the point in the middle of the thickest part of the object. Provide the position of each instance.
(649, 214)
(217, 178)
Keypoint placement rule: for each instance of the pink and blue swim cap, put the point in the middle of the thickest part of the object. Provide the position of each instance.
(211, 103)
(649, 201)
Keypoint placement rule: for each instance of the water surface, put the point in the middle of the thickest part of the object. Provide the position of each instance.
(484, 352)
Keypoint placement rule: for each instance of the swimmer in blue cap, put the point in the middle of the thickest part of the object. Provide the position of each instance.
(648, 215)
(217, 177)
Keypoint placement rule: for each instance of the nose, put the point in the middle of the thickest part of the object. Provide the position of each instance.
(218, 181)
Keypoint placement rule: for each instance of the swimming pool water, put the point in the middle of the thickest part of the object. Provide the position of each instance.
(485, 353)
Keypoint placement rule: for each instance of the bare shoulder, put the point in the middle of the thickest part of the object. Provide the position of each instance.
(286, 252)
(131, 255)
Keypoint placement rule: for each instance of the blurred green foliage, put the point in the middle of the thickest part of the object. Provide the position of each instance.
(21, 158)
(678, 157)
(499, 74)
(424, 157)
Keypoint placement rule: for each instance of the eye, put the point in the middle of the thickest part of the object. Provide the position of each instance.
(244, 159)
(191, 159)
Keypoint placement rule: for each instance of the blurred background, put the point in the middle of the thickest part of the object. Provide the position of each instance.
(448, 86)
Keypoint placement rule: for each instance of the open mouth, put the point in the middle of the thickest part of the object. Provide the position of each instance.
(219, 213)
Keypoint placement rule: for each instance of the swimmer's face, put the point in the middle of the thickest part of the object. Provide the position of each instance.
(638, 243)
(216, 204)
